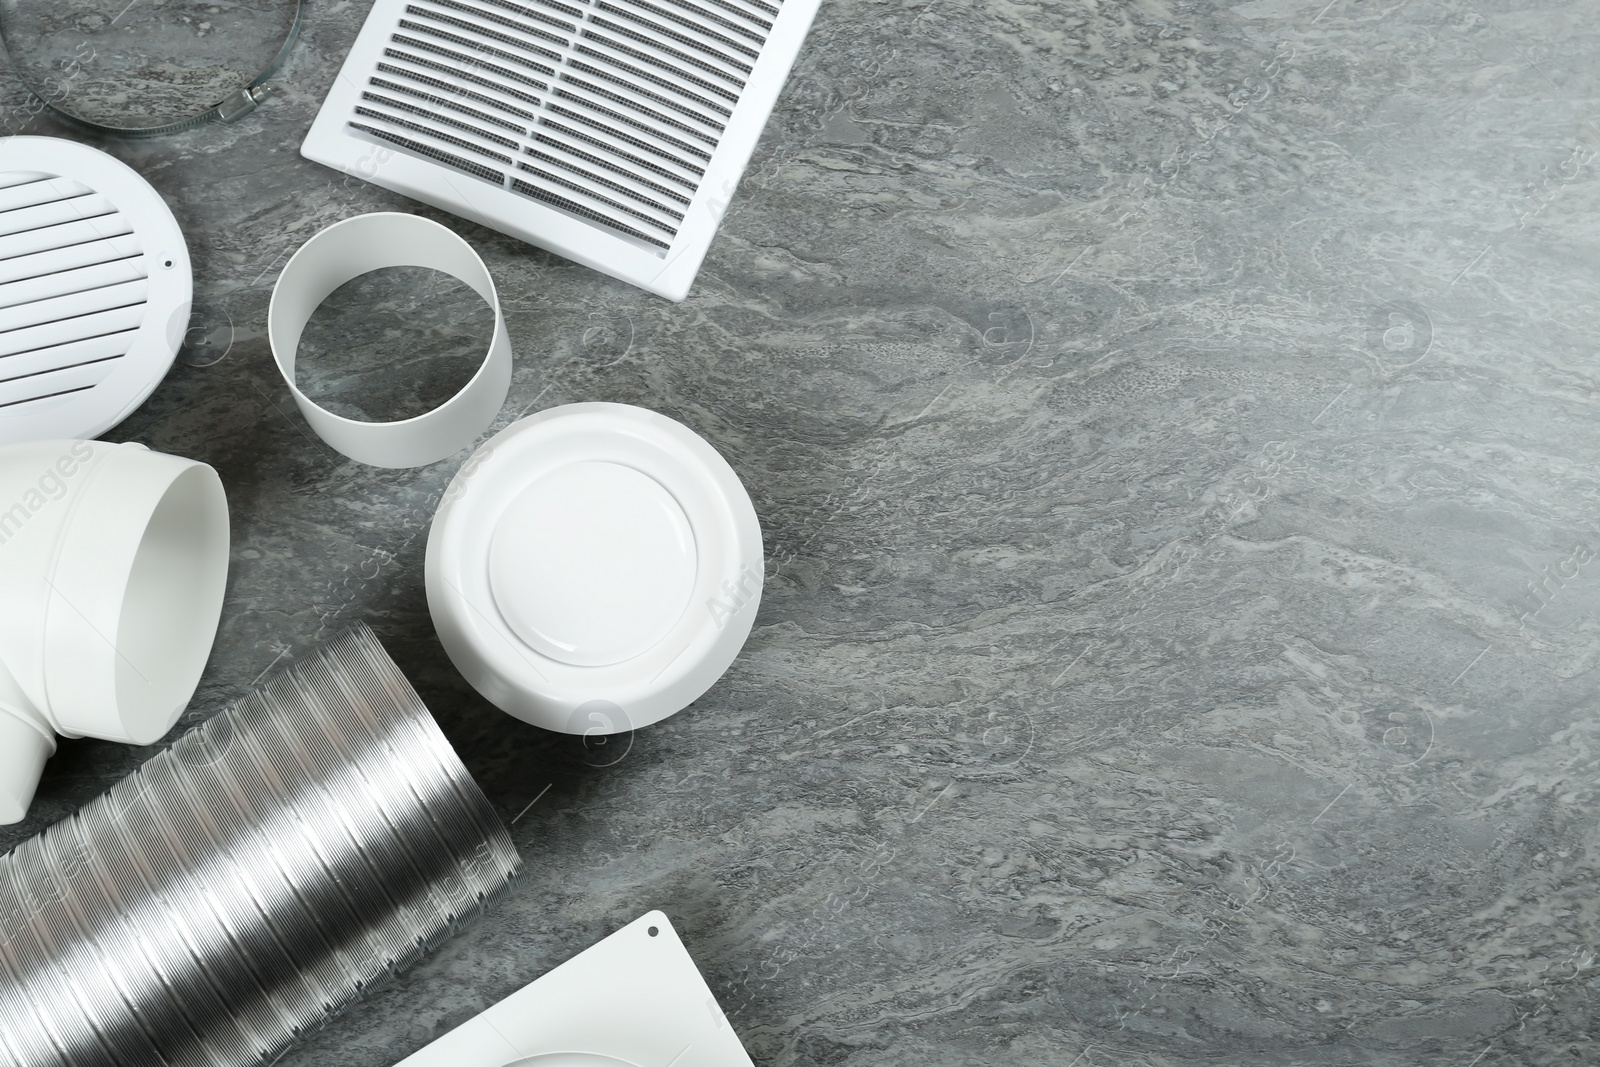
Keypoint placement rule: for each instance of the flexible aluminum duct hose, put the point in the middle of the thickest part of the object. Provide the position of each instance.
(266, 871)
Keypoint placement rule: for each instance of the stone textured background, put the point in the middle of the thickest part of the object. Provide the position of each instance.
(1172, 425)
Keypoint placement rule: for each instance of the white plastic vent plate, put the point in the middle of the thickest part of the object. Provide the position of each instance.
(612, 132)
(95, 287)
(634, 1000)
(594, 568)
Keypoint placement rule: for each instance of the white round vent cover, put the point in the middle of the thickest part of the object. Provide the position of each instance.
(95, 287)
(594, 568)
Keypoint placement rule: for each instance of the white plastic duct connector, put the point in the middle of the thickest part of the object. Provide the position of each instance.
(113, 563)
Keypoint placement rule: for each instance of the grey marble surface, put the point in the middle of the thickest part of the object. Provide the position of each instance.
(1173, 427)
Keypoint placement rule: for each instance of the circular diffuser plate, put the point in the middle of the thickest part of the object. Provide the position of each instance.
(594, 568)
(95, 287)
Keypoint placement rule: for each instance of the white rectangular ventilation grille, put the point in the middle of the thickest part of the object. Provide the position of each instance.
(609, 112)
(73, 285)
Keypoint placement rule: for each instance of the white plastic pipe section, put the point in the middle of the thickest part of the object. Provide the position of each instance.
(113, 562)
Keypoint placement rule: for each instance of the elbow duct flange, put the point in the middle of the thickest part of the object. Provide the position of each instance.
(113, 563)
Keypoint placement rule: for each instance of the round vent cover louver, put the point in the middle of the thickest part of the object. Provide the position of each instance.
(95, 288)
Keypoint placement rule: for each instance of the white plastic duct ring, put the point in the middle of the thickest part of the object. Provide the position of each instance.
(345, 251)
(594, 568)
(95, 290)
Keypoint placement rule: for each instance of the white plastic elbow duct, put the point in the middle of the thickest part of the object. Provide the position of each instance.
(113, 562)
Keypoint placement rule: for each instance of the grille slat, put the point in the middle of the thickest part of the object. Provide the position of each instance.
(472, 53)
(59, 382)
(461, 72)
(491, 42)
(7, 403)
(720, 34)
(65, 331)
(578, 157)
(23, 177)
(596, 125)
(59, 359)
(497, 24)
(630, 126)
(608, 185)
(718, 18)
(433, 152)
(417, 78)
(41, 191)
(82, 206)
(63, 310)
(106, 346)
(608, 110)
(64, 235)
(556, 200)
(421, 109)
(697, 91)
(708, 46)
(417, 96)
(66, 282)
(607, 30)
(411, 127)
(68, 257)
(565, 18)
(632, 104)
(571, 11)
(621, 151)
(585, 194)
(756, 10)
(702, 113)
(761, 19)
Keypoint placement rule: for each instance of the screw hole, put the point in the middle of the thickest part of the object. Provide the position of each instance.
(168, 263)
(654, 931)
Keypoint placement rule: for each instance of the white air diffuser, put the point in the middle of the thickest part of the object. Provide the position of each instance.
(594, 568)
(612, 132)
(95, 288)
